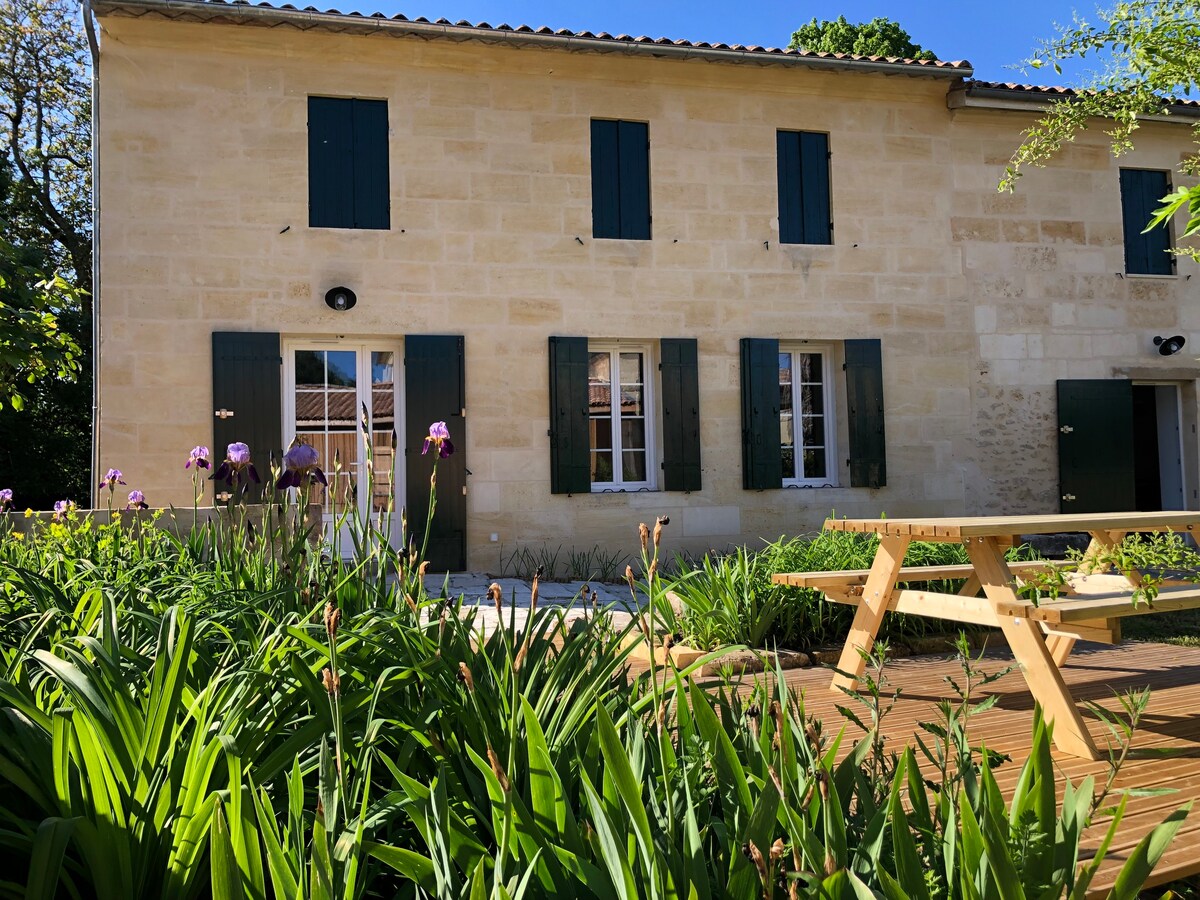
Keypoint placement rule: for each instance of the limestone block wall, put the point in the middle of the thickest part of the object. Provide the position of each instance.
(981, 300)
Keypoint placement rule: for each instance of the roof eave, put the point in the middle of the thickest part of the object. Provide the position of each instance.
(243, 13)
(972, 96)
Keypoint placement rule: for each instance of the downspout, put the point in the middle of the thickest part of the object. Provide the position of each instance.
(89, 26)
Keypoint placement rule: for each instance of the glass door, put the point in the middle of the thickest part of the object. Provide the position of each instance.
(329, 386)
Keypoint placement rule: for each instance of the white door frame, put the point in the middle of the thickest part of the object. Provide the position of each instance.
(363, 349)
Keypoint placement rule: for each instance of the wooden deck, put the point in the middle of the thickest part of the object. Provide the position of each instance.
(1166, 747)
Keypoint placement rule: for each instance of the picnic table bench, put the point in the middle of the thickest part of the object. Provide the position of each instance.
(1041, 634)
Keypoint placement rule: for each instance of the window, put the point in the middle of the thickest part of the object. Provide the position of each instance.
(1141, 193)
(620, 180)
(789, 413)
(806, 416)
(620, 412)
(348, 183)
(803, 163)
(619, 439)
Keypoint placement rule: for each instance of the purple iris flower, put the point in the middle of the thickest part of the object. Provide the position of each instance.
(300, 465)
(439, 437)
(5, 498)
(237, 461)
(137, 500)
(198, 458)
(62, 509)
(111, 479)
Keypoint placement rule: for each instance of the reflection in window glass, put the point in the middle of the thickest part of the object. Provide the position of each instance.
(618, 437)
(802, 417)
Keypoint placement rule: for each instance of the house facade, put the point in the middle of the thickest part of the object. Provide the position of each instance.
(739, 287)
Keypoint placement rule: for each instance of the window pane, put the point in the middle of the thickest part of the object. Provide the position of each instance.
(633, 434)
(633, 465)
(814, 464)
(602, 468)
(811, 371)
(813, 429)
(631, 368)
(631, 401)
(599, 368)
(342, 367)
(788, 455)
(601, 433)
(812, 398)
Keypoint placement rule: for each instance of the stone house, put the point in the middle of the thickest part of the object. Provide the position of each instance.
(737, 286)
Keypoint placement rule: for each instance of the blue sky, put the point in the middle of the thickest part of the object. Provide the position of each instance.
(992, 35)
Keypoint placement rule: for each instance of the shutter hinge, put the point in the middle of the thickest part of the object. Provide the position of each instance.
(1066, 429)
(464, 412)
(829, 154)
(464, 490)
(223, 413)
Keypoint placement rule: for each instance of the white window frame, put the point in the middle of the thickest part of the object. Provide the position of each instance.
(649, 368)
(832, 469)
(363, 349)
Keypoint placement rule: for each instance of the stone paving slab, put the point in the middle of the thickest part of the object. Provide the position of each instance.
(473, 587)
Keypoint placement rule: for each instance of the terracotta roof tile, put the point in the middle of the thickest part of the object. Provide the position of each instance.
(173, 8)
(1052, 90)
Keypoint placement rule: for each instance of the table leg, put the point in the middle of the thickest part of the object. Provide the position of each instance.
(876, 593)
(1060, 647)
(1028, 645)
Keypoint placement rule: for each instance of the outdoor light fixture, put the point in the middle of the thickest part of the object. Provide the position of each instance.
(1169, 346)
(342, 299)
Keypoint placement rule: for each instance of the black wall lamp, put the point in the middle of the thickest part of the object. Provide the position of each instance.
(342, 299)
(1169, 346)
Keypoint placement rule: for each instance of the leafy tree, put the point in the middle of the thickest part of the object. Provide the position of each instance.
(1152, 48)
(45, 129)
(45, 211)
(32, 345)
(879, 37)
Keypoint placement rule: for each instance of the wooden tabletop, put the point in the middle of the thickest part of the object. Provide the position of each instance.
(956, 528)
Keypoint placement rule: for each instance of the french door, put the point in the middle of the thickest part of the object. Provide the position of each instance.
(327, 386)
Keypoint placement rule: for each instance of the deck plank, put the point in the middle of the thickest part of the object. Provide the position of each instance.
(1166, 747)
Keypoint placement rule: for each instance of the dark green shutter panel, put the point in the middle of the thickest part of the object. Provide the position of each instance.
(372, 184)
(247, 382)
(570, 449)
(1141, 193)
(681, 414)
(435, 391)
(787, 150)
(762, 457)
(1096, 446)
(864, 413)
(633, 140)
(606, 209)
(814, 187)
(330, 162)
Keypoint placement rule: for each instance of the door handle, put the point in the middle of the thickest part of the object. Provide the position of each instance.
(223, 413)
(1066, 429)
(1068, 497)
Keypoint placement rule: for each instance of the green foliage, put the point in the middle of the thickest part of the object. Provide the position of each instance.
(879, 37)
(1152, 54)
(32, 346)
(591, 564)
(730, 599)
(235, 713)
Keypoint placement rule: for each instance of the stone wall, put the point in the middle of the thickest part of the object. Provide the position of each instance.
(981, 299)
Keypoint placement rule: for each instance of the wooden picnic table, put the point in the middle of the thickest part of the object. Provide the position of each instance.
(1040, 635)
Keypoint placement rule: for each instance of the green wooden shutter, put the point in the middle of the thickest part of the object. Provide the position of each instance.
(330, 162)
(681, 414)
(1141, 193)
(787, 159)
(864, 413)
(606, 208)
(247, 381)
(633, 141)
(814, 180)
(372, 184)
(435, 391)
(570, 472)
(1096, 471)
(762, 457)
